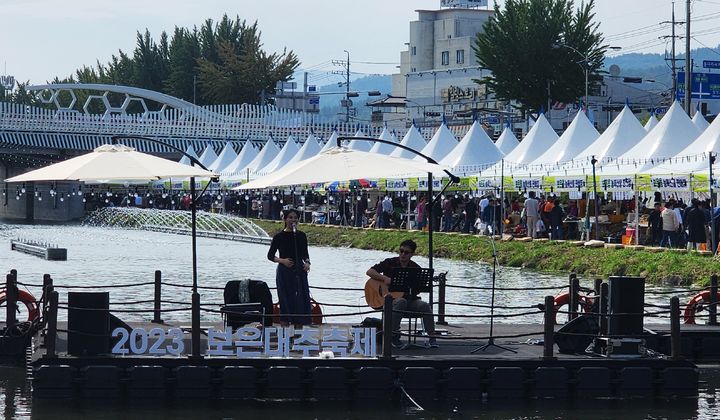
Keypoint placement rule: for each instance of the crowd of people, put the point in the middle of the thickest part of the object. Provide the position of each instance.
(671, 223)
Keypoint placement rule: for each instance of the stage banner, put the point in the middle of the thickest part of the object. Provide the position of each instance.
(570, 183)
(670, 182)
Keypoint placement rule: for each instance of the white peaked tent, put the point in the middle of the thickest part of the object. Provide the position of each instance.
(265, 156)
(208, 156)
(332, 142)
(694, 158)
(651, 123)
(190, 151)
(288, 151)
(225, 158)
(621, 135)
(700, 121)
(412, 139)
(361, 145)
(539, 139)
(383, 148)
(440, 145)
(672, 134)
(577, 137)
(475, 149)
(246, 155)
(507, 141)
(310, 148)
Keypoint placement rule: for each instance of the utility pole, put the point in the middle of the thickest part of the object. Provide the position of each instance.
(688, 61)
(346, 72)
(673, 57)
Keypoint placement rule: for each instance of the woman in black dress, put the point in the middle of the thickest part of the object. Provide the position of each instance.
(291, 275)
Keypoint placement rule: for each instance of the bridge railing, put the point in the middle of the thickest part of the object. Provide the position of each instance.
(221, 123)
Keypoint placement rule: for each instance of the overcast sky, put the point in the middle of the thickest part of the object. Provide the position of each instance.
(41, 39)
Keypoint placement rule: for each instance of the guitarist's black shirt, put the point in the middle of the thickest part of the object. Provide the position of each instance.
(386, 266)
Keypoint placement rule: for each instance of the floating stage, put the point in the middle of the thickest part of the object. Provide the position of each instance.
(449, 372)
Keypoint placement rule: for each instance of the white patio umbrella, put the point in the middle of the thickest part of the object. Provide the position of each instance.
(343, 164)
(120, 162)
(111, 162)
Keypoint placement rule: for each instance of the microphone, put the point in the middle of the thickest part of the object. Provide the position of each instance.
(294, 227)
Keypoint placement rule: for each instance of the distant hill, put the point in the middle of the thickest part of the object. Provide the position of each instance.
(654, 66)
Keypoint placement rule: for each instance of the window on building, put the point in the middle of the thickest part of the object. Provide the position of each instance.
(413, 70)
(413, 50)
(445, 56)
(460, 56)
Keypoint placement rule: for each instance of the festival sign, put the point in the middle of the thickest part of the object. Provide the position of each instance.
(615, 183)
(423, 184)
(570, 183)
(396, 185)
(528, 184)
(251, 342)
(670, 182)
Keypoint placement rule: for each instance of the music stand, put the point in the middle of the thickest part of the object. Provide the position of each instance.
(411, 281)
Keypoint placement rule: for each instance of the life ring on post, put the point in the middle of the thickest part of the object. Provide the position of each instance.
(315, 312)
(696, 304)
(564, 299)
(27, 299)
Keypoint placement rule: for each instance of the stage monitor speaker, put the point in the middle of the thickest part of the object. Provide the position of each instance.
(626, 306)
(575, 336)
(88, 323)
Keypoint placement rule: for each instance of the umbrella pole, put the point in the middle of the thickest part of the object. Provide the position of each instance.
(195, 295)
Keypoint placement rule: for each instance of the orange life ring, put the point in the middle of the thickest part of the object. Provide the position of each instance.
(696, 303)
(315, 311)
(27, 299)
(564, 299)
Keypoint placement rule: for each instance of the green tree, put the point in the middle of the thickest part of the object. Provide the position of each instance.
(184, 52)
(243, 72)
(537, 51)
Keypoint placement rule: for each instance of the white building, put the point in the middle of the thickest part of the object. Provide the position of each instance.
(438, 68)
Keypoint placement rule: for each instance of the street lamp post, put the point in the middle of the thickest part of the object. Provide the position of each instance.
(585, 66)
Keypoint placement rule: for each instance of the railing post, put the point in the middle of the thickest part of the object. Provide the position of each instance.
(47, 289)
(604, 290)
(549, 328)
(597, 286)
(712, 308)
(675, 345)
(51, 334)
(195, 334)
(574, 297)
(441, 300)
(11, 300)
(158, 297)
(387, 326)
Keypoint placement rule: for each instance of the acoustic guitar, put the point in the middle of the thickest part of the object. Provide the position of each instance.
(375, 291)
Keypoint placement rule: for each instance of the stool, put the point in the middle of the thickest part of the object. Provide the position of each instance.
(412, 332)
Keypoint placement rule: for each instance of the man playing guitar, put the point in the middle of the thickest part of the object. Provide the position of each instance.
(406, 303)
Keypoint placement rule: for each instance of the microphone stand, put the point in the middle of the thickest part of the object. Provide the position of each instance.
(491, 340)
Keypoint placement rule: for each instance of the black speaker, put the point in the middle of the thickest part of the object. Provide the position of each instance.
(88, 323)
(575, 336)
(626, 305)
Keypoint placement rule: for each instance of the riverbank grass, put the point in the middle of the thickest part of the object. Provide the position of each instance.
(667, 267)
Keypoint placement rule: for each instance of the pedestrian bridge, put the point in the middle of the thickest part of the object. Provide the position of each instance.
(61, 128)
